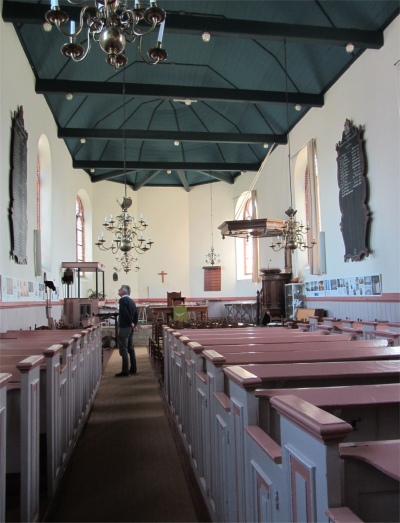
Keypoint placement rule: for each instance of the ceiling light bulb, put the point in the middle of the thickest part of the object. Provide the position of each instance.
(349, 48)
(176, 142)
(83, 140)
(188, 101)
(47, 27)
(265, 146)
(298, 107)
(169, 171)
(206, 37)
(92, 170)
(69, 96)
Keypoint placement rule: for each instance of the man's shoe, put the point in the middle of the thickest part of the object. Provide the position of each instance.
(121, 374)
(132, 372)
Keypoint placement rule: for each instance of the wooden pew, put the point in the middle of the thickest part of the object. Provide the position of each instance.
(372, 410)
(23, 399)
(70, 380)
(55, 409)
(88, 351)
(4, 379)
(189, 405)
(299, 454)
(184, 361)
(244, 380)
(180, 350)
(200, 402)
(212, 384)
(304, 473)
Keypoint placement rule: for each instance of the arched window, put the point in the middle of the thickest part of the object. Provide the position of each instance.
(80, 231)
(308, 206)
(38, 193)
(248, 243)
(247, 264)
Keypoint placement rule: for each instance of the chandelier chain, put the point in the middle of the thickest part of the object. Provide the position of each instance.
(287, 122)
(127, 232)
(294, 233)
(212, 257)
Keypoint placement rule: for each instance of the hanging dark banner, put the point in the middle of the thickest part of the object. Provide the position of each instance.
(18, 188)
(353, 193)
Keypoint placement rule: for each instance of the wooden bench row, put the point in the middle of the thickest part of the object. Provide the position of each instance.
(241, 459)
(360, 329)
(47, 389)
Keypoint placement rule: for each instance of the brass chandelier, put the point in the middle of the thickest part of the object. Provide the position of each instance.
(127, 237)
(293, 233)
(127, 232)
(111, 23)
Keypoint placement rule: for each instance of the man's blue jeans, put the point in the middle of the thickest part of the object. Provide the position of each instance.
(126, 349)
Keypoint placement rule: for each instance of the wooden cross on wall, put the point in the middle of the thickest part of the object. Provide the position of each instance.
(162, 274)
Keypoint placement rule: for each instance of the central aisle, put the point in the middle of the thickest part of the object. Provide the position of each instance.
(126, 466)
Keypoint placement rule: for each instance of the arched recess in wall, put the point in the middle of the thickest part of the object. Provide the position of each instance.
(300, 259)
(45, 177)
(83, 195)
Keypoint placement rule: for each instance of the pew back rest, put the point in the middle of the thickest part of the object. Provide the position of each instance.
(303, 314)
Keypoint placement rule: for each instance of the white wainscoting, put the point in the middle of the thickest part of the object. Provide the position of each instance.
(365, 310)
(26, 317)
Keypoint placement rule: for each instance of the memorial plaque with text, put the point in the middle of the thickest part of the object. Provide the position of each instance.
(353, 193)
(18, 189)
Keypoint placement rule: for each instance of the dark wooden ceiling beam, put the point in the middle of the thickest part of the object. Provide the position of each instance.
(185, 166)
(27, 13)
(257, 30)
(183, 179)
(192, 136)
(171, 92)
(222, 177)
(145, 180)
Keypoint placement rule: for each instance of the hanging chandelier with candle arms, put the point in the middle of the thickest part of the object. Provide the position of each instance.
(293, 233)
(111, 23)
(127, 237)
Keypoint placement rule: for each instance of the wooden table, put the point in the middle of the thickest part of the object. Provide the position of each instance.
(242, 311)
(168, 311)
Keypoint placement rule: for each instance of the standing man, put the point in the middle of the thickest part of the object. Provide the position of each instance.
(127, 325)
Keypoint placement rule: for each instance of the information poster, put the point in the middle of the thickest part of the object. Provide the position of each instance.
(16, 289)
(352, 286)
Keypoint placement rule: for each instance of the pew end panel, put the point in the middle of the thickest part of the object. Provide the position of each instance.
(311, 468)
(4, 379)
(263, 477)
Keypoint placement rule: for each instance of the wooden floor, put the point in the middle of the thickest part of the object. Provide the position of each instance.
(128, 465)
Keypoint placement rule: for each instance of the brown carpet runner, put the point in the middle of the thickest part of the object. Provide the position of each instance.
(126, 465)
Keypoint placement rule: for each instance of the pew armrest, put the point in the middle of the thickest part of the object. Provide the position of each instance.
(342, 515)
(269, 446)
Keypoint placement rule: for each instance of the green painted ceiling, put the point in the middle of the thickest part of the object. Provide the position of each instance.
(237, 83)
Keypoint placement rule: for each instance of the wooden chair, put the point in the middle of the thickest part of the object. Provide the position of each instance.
(175, 298)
